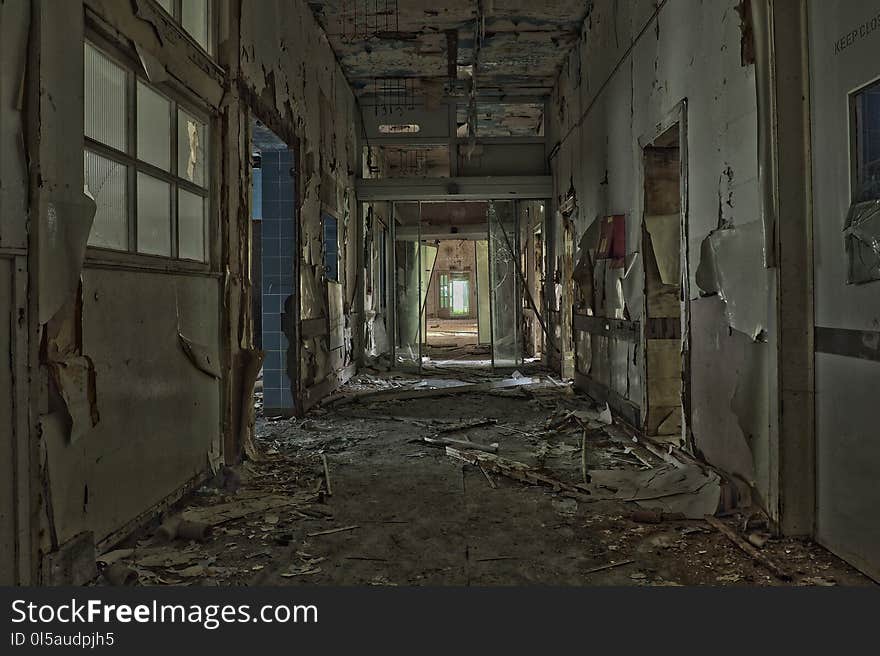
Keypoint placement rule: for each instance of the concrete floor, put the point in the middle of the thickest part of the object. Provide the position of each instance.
(405, 513)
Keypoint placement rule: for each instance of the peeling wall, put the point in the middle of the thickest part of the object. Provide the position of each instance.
(636, 62)
(131, 384)
(287, 63)
(14, 24)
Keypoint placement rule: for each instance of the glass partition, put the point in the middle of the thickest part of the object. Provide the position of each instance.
(504, 286)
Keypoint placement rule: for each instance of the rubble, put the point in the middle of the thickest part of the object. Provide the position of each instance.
(457, 515)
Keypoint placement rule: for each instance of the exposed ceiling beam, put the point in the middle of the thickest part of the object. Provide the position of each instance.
(475, 188)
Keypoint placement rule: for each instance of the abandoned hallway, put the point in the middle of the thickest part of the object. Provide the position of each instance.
(498, 292)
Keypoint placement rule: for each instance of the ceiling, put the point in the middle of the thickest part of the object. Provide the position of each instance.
(524, 44)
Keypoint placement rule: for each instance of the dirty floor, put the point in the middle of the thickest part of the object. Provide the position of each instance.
(399, 511)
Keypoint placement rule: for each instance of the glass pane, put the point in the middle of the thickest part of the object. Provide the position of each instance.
(194, 19)
(461, 294)
(166, 5)
(190, 148)
(153, 127)
(429, 260)
(484, 329)
(105, 180)
(407, 266)
(190, 226)
(105, 100)
(153, 215)
(504, 285)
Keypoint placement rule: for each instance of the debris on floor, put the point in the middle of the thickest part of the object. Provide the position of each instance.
(463, 480)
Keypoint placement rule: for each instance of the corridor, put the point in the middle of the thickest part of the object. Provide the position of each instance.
(473, 293)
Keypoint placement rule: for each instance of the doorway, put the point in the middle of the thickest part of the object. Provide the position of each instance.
(273, 268)
(457, 284)
(452, 306)
(662, 230)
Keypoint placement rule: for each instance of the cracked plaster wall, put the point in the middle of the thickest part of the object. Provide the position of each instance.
(628, 74)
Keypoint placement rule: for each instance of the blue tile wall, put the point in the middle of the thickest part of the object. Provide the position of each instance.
(278, 231)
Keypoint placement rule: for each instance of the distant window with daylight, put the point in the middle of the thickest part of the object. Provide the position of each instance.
(194, 17)
(866, 138)
(148, 176)
(445, 292)
(331, 248)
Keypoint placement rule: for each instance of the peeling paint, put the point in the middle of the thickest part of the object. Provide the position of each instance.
(731, 266)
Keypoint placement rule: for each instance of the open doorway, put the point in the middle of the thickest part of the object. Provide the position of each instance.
(663, 226)
(273, 268)
(452, 306)
(457, 290)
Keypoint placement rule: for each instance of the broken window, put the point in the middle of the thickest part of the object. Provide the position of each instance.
(126, 158)
(862, 224)
(331, 248)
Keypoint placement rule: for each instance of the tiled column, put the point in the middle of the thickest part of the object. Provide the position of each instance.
(279, 224)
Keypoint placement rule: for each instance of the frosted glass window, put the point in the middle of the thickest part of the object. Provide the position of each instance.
(106, 181)
(190, 226)
(153, 127)
(194, 19)
(105, 100)
(190, 148)
(153, 215)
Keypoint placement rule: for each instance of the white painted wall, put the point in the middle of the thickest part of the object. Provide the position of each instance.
(629, 73)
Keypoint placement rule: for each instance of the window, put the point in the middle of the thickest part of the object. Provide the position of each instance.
(461, 295)
(194, 17)
(866, 143)
(862, 224)
(144, 163)
(445, 292)
(331, 248)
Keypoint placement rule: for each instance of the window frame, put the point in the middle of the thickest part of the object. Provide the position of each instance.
(445, 290)
(176, 15)
(178, 99)
(855, 141)
(383, 267)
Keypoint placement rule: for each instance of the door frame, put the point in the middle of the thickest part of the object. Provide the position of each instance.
(678, 115)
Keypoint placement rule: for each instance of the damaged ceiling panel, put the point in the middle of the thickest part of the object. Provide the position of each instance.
(504, 120)
(523, 46)
(415, 161)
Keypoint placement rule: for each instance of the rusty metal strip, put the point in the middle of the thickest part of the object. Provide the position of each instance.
(616, 328)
